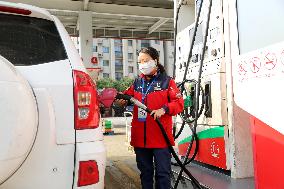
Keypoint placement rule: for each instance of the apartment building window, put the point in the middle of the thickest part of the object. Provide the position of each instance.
(118, 62)
(118, 48)
(118, 41)
(130, 56)
(105, 75)
(106, 49)
(118, 75)
(105, 62)
(119, 68)
(145, 43)
(130, 69)
(95, 48)
(118, 54)
(118, 65)
(130, 43)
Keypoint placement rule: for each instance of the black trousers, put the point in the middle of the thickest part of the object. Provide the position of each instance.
(150, 160)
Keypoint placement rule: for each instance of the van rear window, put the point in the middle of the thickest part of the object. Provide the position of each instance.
(29, 41)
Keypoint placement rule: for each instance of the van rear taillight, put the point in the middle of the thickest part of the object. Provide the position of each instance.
(85, 101)
(15, 10)
(88, 173)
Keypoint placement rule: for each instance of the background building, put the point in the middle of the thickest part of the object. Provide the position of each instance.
(117, 58)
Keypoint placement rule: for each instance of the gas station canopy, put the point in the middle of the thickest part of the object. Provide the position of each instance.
(151, 19)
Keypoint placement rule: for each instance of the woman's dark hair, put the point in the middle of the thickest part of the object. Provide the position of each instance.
(155, 55)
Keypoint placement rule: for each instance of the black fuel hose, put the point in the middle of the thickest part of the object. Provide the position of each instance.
(193, 179)
(186, 161)
(185, 116)
(181, 85)
(175, 37)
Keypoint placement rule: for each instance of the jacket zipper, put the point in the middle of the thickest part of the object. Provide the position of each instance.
(145, 134)
(145, 124)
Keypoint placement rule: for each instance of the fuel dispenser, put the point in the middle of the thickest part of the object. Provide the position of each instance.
(243, 63)
(212, 124)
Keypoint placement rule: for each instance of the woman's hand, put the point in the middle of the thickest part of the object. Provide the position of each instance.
(120, 102)
(158, 113)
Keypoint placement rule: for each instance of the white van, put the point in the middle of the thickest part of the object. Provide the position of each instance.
(50, 136)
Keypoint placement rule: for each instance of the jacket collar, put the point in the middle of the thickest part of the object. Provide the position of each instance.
(144, 76)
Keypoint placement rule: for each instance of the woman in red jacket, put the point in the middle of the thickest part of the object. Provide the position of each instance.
(159, 93)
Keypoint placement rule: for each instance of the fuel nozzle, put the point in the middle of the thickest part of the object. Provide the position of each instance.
(188, 101)
(133, 100)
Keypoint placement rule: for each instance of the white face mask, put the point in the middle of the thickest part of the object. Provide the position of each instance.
(147, 67)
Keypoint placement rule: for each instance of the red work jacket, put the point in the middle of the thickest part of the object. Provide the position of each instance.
(163, 93)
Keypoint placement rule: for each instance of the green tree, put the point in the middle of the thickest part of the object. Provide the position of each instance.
(119, 85)
(105, 83)
(123, 84)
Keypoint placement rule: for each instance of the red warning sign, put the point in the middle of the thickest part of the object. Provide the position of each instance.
(242, 68)
(255, 64)
(270, 61)
(94, 60)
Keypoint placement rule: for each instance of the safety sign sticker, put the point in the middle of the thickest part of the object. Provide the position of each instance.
(242, 68)
(263, 63)
(270, 60)
(255, 64)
